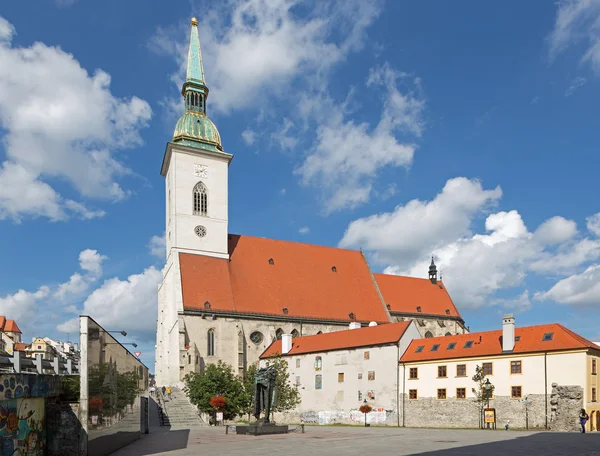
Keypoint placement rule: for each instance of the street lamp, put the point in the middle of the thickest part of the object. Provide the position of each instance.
(487, 386)
(123, 333)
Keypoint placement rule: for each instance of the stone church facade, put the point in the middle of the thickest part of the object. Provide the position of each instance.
(226, 297)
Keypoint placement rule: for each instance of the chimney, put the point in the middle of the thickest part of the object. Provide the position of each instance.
(373, 323)
(508, 333)
(354, 325)
(286, 343)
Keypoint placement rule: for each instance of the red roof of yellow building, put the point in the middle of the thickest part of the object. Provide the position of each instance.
(293, 280)
(528, 339)
(385, 334)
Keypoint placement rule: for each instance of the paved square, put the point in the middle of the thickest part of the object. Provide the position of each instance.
(360, 441)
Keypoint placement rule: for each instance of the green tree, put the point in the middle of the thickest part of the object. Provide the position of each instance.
(482, 391)
(288, 396)
(217, 380)
(249, 388)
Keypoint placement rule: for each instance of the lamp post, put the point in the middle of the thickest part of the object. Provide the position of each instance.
(487, 387)
(118, 343)
(365, 408)
(123, 333)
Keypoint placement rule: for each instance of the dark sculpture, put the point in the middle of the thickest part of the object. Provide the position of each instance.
(265, 392)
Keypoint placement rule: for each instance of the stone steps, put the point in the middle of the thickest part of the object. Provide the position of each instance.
(180, 412)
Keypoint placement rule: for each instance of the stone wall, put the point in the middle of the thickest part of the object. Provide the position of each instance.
(465, 413)
(377, 417)
(565, 404)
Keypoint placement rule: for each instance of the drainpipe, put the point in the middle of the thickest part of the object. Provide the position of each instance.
(398, 383)
(403, 394)
(546, 387)
(300, 328)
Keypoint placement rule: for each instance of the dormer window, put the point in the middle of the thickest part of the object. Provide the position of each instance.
(207, 305)
(333, 269)
(351, 315)
(285, 310)
(547, 337)
(271, 261)
(447, 311)
(418, 308)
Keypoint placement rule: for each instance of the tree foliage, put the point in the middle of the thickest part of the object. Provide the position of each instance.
(482, 393)
(217, 380)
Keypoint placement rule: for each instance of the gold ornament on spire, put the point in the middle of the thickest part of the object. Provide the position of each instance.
(194, 21)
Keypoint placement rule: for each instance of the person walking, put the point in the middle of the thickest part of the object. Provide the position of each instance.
(169, 392)
(164, 390)
(152, 390)
(583, 418)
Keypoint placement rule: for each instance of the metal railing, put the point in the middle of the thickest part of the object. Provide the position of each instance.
(19, 364)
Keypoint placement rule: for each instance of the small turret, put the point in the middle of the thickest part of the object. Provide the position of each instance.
(432, 272)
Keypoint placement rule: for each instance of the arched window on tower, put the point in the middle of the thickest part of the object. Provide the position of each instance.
(428, 334)
(279, 333)
(200, 199)
(295, 333)
(211, 342)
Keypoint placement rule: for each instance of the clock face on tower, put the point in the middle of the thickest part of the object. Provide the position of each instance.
(201, 171)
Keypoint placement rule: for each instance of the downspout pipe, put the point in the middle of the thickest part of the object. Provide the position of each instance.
(546, 386)
(403, 395)
(398, 383)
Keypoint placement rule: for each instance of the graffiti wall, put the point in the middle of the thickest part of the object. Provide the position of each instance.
(15, 386)
(378, 415)
(22, 429)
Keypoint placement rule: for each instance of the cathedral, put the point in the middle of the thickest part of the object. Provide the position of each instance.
(227, 296)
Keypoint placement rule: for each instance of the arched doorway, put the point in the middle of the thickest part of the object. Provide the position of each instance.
(597, 420)
(593, 420)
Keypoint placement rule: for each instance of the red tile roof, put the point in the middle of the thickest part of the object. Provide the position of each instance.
(8, 325)
(299, 284)
(389, 333)
(405, 294)
(19, 347)
(11, 326)
(490, 343)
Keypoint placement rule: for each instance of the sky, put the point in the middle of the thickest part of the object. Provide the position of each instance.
(463, 130)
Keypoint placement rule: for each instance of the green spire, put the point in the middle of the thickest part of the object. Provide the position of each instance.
(195, 69)
(194, 128)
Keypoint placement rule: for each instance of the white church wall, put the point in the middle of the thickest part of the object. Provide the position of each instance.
(226, 336)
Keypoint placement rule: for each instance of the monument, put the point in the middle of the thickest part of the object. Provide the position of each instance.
(264, 398)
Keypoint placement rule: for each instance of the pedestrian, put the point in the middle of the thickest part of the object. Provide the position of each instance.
(164, 390)
(169, 392)
(152, 390)
(583, 417)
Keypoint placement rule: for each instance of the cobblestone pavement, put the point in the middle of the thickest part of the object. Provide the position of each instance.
(354, 441)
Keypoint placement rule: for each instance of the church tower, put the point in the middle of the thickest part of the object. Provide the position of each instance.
(195, 169)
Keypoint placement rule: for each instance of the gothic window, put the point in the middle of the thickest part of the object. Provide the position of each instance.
(211, 342)
(318, 363)
(279, 333)
(319, 332)
(295, 333)
(200, 199)
(428, 334)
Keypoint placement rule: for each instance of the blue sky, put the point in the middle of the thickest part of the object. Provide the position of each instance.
(464, 130)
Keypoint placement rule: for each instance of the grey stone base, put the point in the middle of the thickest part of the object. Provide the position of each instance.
(261, 429)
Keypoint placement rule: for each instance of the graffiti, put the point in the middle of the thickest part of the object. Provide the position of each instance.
(309, 417)
(331, 417)
(17, 386)
(376, 416)
(22, 430)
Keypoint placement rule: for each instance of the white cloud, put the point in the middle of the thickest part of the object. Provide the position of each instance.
(304, 230)
(556, 230)
(412, 231)
(158, 246)
(593, 224)
(130, 304)
(249, 137)
(21, 304)
(475, 265)
(578, 289)
(90, 261)
(7, 31)
(577, 21)
(575, 84)
(347, 156)
(52, 134)
(284, 140)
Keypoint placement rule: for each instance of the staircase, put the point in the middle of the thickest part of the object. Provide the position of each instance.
(180, 412)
